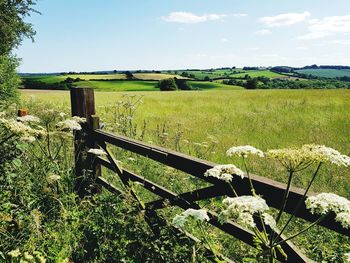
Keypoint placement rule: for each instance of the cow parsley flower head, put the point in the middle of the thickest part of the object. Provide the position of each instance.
(327, 154)
(269, 221)
(224, 172)
(242, 208)
(53, 178)
(200, 215)
(28, 118)
(344, 219)
(347, 257)
(15, 127)
(327, 202)
(244, 151)
(29, 139)
(14, 253)
(68, 125)
(79, 119)
(97, 152)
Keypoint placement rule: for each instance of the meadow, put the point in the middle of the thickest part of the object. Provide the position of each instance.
(263, 118)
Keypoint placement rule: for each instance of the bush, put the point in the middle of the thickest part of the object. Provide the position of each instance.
(9, 80)
(182, 84)
(167, 85)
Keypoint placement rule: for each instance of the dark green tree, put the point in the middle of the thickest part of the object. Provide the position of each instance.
(167, 84)
(13, 29)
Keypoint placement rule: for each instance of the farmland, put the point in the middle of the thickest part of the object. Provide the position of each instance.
(326, 73)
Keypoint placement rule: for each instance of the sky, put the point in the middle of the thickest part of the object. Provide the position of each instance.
(92, 35)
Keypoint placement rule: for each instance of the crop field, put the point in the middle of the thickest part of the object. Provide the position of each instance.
(234, 73)
(326, 73)
(265, 119)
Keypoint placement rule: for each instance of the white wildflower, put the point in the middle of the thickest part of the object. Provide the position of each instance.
(131, 159)
(68, 125)
(327, 202)
(200, 215)
(223, 172)
(29, 139)
(244, 151)
(241, 209)
(28, 118)
(97, 152)
(15, 127)
(270, 221)
(53, 178)
(62, 114)
(14, 253)
(327, 154)
(344, 219)
(347, 257)
(79, 119)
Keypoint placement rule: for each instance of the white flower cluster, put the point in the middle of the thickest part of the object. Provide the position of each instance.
(224, 172)
(241, 209)
(297, 159)
(79, 119)
(328, 154)
(244, 151)
(200, 215)
(97, 152)
(28, 118)
(347, 257)
(328, 202)
(68, 125)
(25, 132)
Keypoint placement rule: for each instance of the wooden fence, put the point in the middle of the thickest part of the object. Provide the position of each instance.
(83, 105)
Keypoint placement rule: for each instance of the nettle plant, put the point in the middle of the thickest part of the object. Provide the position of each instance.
(250, 209)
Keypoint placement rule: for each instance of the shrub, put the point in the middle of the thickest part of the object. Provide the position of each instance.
(9, 80)
(167, 84)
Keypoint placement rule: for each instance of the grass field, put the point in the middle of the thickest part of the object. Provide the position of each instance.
(259, 73)
(326, 73)
(141, 76)
(265, 119)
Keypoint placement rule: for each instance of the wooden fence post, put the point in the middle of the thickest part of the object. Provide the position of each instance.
(86, 169)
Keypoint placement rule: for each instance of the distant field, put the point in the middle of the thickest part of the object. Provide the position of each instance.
(326, 73)
(142, 76)
(259, 73)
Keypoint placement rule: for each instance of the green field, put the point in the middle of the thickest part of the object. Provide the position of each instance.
(234, 73)
(265, 119)
(326, 73)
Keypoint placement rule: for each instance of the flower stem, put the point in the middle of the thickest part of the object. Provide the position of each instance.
(248, 174)
(300, 201)
(302, 231)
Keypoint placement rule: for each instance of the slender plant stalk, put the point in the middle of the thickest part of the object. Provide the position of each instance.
(302, 231)
(248, 174)
(300, 201)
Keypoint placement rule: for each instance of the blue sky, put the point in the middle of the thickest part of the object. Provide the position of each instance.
(88, 35)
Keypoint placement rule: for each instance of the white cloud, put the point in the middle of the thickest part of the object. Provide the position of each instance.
(224, 40)
(239, 15)
(190, 18)
(284, 19)
(263, 32)
(340, 41)
(327, 26)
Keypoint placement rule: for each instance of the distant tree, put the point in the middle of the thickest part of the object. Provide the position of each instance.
(115, 71)
(182, 84)
(206, 78)
(129, 75)
(184, 74)
(251, 84)
(167, 84)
